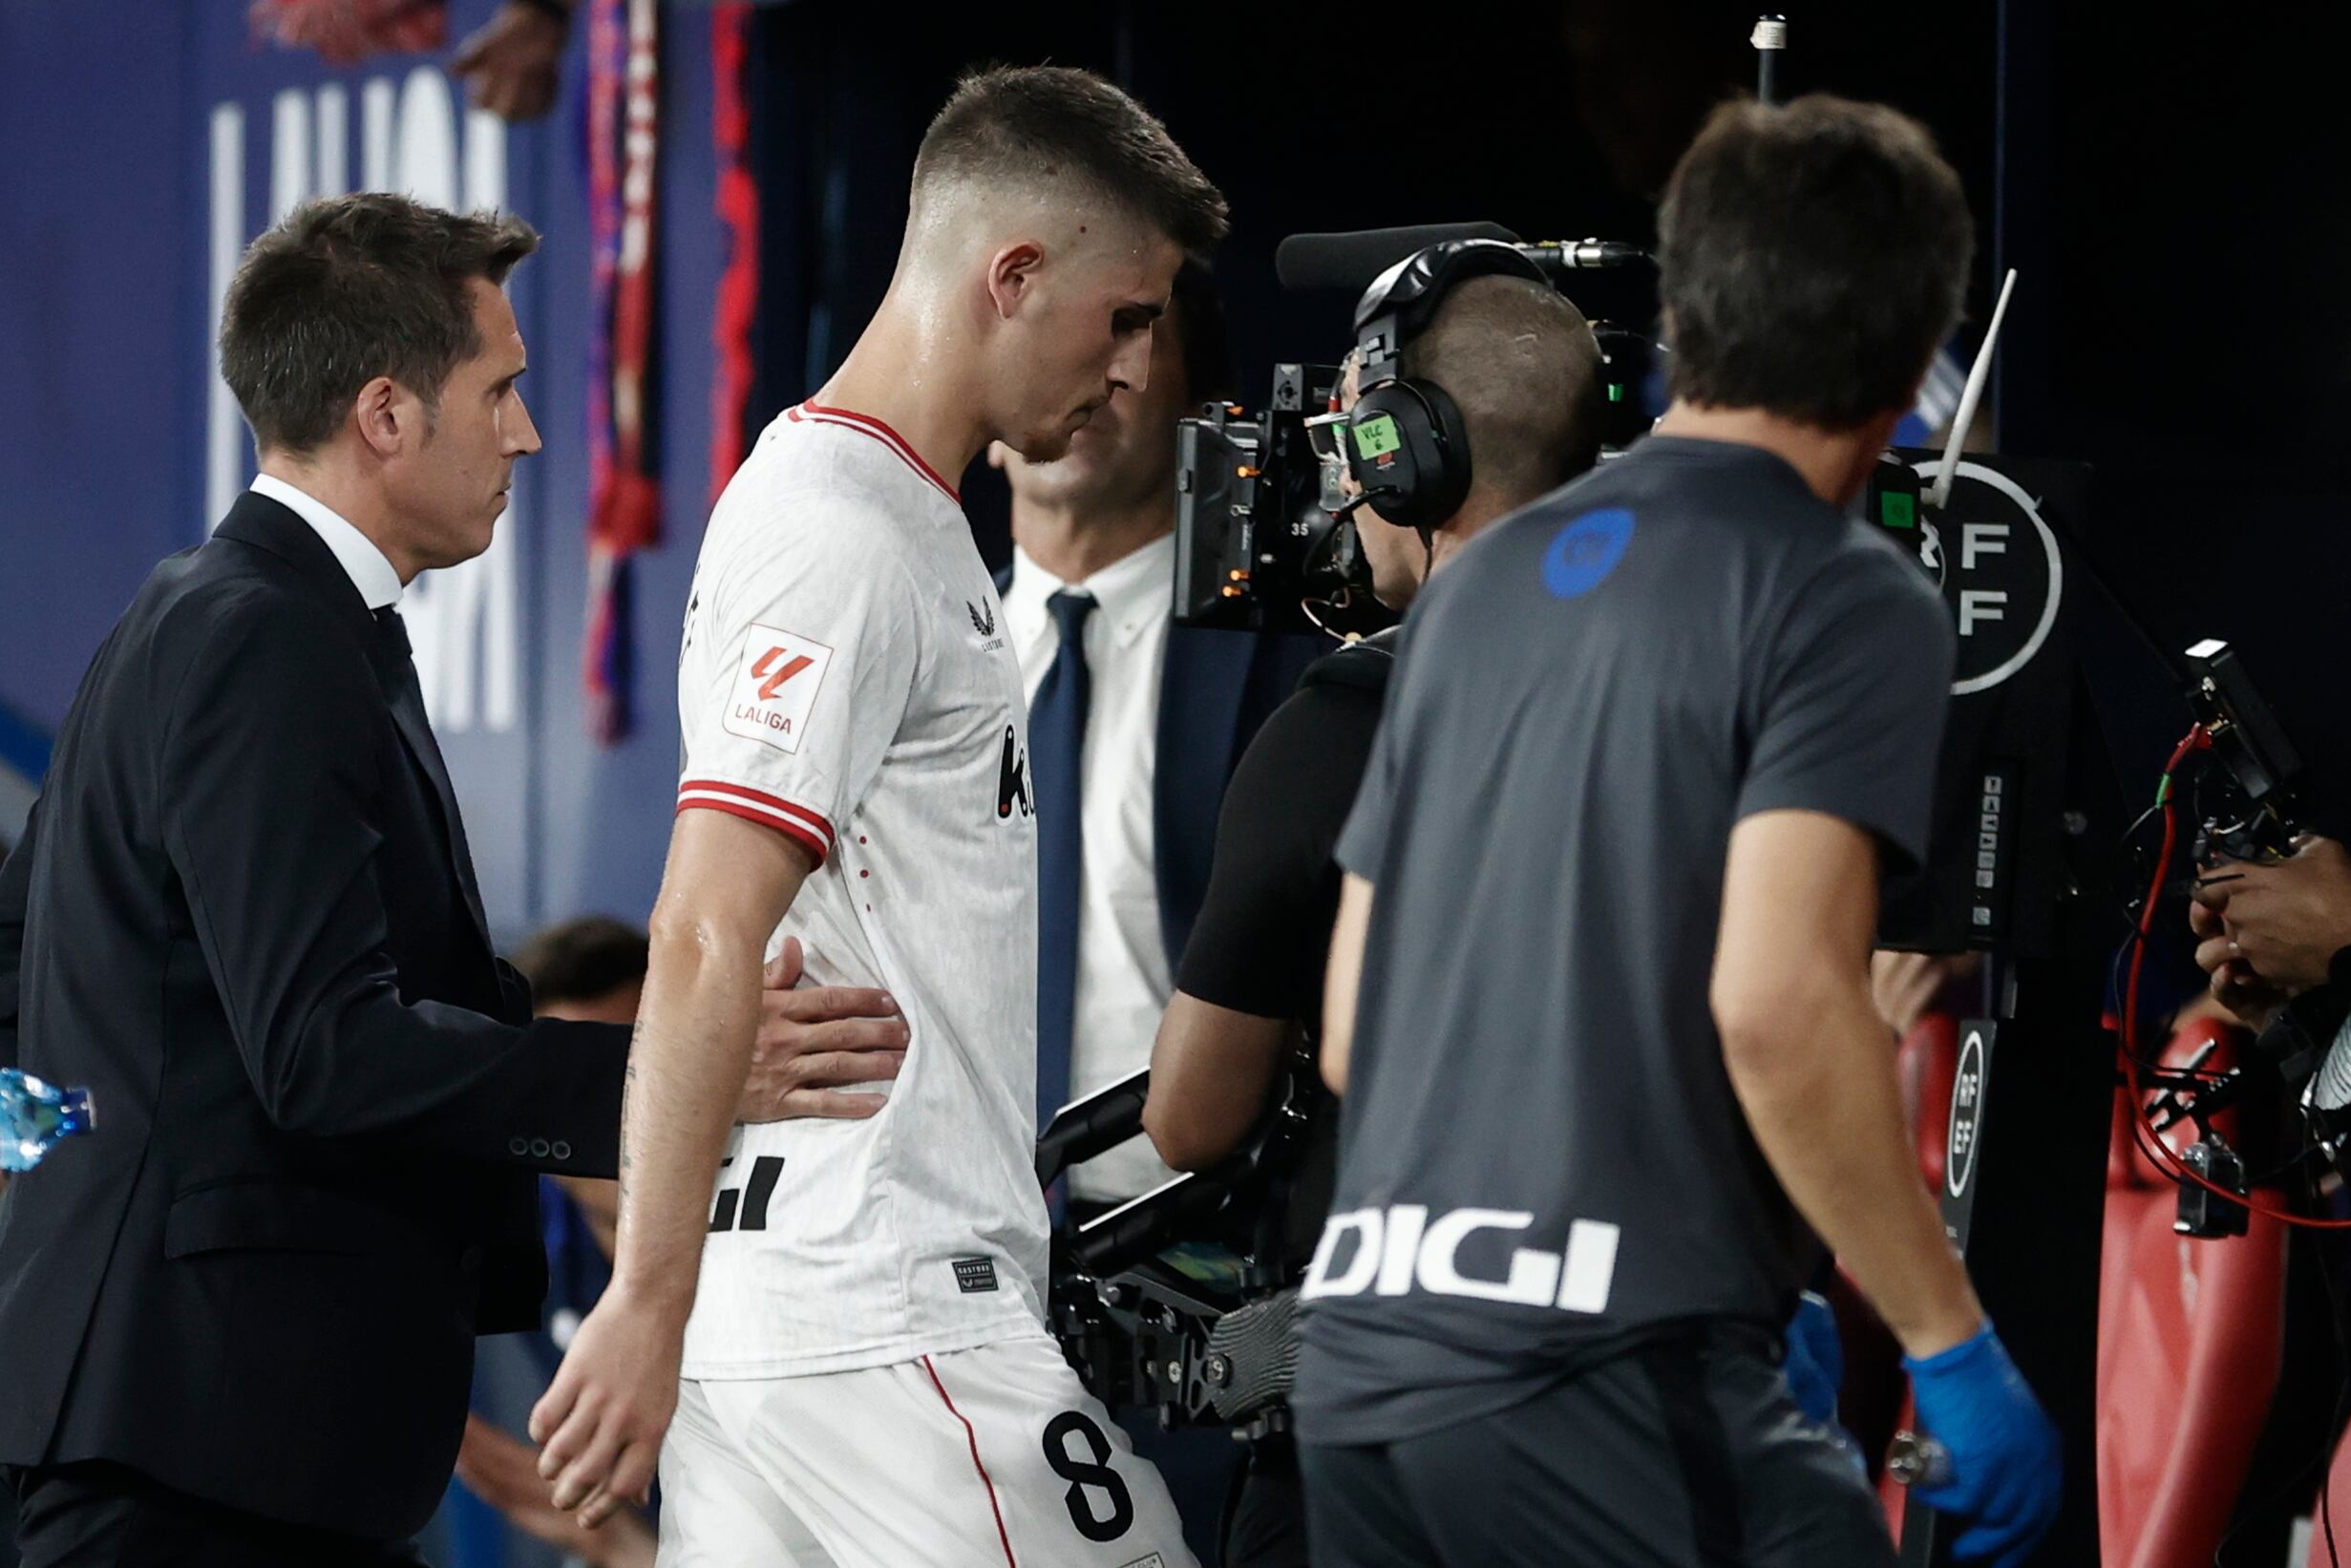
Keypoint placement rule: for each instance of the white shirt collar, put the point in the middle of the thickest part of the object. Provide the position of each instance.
(1130, 592)
(371, 571)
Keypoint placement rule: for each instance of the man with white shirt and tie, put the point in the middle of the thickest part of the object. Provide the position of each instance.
(1138, 723)
(1142, 728)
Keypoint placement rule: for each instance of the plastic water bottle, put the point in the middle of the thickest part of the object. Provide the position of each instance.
(36, 1116)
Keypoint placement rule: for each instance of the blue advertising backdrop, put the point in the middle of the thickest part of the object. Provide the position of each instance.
(146, 146)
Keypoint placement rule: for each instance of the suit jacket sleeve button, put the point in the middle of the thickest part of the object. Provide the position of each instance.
(519, 1146)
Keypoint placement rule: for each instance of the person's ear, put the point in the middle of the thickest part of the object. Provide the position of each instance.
(389, 417)
(1012, 276)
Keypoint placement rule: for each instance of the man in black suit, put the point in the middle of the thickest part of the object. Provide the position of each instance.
(239, 1320)
(1169, 711)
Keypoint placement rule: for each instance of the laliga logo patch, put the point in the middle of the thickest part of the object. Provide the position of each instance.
(1587, 551)
(775, 687)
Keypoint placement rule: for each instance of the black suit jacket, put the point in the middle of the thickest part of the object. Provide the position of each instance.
(244, 915)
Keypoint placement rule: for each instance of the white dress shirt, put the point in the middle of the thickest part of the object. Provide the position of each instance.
(1123, 982)
(371, 571)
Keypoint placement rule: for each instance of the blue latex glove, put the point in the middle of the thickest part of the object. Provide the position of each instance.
(1815, 1363)
(2006, 1473)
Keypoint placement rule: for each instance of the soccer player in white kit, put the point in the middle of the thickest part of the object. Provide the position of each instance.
(847, 1316)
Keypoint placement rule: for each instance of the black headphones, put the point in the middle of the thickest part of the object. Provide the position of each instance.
(1405, 439)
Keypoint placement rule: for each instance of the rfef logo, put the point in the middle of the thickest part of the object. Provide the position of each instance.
(1966, 1115)
(775, 687)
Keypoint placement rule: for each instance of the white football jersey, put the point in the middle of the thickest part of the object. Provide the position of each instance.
(845, 680)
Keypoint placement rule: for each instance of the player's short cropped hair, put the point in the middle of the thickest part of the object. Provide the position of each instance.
(582, 960)
(1811, 258)
(1051, 126)
(1521, 364)
(348, 289)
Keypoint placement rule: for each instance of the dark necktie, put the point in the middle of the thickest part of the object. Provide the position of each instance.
(1056, 752)
(407, 711)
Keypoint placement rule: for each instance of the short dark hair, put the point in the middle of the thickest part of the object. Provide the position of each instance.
(348, 289)
(1197, 311)
(582, 960)
(1520, 362)
(1811, 258)
(1043, 124)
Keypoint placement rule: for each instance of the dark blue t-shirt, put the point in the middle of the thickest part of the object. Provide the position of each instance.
(1541, 1154)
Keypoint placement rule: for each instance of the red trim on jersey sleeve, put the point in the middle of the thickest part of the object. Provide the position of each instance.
(867, 424)
(795, 821)
(801, 836)
(973, 1438)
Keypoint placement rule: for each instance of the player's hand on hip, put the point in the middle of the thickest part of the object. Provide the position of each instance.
(816, 1041)
(2007, 1475)
(600, 1422)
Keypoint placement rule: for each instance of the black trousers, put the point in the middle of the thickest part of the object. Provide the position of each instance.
(1680, 1454)
(1265, 1521)
(105, 1515)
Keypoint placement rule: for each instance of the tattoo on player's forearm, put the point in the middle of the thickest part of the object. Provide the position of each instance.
(629, 1095)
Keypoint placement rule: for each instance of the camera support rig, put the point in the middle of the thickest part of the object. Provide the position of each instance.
(1148, 1311)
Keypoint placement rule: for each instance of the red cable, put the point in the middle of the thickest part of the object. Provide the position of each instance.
(2160, 1152)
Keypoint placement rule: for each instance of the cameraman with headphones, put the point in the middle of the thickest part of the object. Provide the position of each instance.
(1600, 998)
(1493, 362)
(1516, 371)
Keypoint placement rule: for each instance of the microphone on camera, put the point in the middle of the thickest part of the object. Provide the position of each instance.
(1583, 255)
(1352, 261)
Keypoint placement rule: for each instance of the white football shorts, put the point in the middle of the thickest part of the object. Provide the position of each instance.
(966, 1459)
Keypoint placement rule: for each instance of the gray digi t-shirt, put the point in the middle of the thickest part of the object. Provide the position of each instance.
(1541, 1155)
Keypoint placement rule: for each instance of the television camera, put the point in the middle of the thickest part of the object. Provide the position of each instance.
(2244, 780)
(1264, 538)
